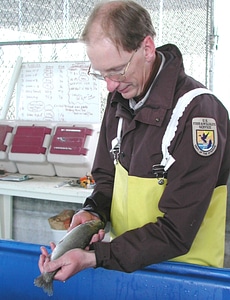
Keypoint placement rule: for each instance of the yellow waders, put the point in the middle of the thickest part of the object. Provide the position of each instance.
(135, 203)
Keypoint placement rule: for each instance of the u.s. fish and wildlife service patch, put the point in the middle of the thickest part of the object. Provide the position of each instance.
(204, 134)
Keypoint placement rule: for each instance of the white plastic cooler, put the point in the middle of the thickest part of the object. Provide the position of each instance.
(73, 148)
(29, 149)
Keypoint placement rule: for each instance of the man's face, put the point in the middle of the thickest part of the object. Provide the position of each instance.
(125, 72)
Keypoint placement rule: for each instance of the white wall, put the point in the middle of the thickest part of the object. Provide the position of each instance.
(221, 80)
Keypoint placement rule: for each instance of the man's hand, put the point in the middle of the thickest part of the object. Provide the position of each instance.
(68, 264)
(81, 217)
(74, 260)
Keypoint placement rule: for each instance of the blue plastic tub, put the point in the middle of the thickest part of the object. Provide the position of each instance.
(174, 281)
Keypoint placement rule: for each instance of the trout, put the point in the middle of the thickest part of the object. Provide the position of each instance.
(78, 237)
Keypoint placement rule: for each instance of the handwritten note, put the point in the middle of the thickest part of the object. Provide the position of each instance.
(58, 91)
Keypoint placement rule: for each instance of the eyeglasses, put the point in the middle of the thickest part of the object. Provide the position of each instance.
(112, 76)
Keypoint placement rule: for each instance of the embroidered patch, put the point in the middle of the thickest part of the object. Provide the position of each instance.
(204, 134)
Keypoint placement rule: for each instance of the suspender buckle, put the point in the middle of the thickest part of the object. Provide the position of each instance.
(115, 151)
(159, 173)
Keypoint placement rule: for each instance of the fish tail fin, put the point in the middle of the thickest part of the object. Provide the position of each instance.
(44, 282)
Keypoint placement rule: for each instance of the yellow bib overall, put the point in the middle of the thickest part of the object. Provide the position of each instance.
(135, 203)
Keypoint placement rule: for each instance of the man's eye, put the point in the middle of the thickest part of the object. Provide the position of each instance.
(118, 70)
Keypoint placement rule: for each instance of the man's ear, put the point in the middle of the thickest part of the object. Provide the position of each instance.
(149, 48)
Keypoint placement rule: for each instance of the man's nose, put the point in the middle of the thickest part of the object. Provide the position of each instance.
(111, 85)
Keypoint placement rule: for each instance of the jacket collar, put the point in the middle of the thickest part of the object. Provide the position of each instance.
(162, 93)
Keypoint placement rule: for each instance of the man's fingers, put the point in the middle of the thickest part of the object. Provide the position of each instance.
(101, 234)
(44, 251)
(98, 236)
(52, 245)
(41, 262)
